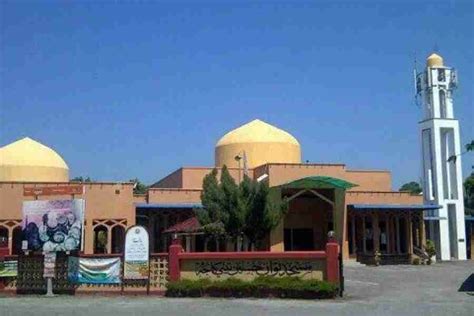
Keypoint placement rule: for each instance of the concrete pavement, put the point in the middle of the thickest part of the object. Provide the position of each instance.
(386, 290)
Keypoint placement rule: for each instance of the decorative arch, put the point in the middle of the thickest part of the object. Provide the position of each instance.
(107, 239)
(442, 104)
(4, 233)
(16, 240)
(6, 228)
(100, 239)
(118, 238)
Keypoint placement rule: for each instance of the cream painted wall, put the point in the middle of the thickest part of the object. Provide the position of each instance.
(257, 154)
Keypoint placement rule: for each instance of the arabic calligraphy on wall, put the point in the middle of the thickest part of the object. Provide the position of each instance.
(254, 267)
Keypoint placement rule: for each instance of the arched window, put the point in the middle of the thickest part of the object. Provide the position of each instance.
(118, 239)
(3, 237)
(16, 240)
(100, 239)
(442, 104)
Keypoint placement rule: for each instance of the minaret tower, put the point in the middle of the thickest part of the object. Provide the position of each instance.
(441, 159)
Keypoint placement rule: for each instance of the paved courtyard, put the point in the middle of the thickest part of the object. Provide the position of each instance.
(387, 290)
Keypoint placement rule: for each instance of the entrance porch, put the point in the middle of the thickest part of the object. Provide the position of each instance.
(316, 207)
(389, 234)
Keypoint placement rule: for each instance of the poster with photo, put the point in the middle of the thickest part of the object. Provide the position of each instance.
(53, 225)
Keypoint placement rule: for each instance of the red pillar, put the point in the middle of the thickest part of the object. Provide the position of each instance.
(332, 262)
(173, 260)
(4, 251)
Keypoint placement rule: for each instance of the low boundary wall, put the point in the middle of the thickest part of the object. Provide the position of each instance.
(321, 265)
(176, 265)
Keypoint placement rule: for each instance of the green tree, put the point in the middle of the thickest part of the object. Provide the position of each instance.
(238, 210)
(263, 213)
(413, 187)
(210, 216)
(469, 195)
(231, 205)
(139, 187)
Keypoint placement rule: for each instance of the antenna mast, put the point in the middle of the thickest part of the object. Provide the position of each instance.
(415, 80)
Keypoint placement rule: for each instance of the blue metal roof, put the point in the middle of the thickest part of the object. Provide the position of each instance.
(168, 205)
(394, 206)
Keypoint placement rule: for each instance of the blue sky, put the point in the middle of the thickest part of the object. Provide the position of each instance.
(138, 90)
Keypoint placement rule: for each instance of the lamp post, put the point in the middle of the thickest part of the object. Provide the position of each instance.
(238, 158)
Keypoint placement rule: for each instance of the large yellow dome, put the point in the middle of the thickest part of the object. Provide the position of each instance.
(27, 160)
(261, 142)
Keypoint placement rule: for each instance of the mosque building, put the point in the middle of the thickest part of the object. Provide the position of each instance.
(168, 207)
(366, 215)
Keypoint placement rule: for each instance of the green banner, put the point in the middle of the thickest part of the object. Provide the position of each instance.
(94, 270)
(8, 269)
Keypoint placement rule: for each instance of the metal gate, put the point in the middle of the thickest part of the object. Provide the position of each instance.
(30, 275)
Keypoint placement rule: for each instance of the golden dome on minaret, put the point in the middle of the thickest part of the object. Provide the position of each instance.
(434, 60)
(261, 142)
(27, 160)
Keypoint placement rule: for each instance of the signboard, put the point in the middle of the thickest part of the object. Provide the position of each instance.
(136, 257)
(8, 269)
(94, 270)
(49, 264)
(54, 225)
(249, 269)
(56, 190)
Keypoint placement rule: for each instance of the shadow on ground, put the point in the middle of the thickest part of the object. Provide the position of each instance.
(468, 284)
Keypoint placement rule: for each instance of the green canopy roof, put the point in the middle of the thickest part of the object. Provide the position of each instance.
(319, 182)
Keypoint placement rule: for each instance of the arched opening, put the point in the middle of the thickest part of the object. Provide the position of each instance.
(3, 237)
(118, 239)
(100, 239)
(442, 104)
(16, 240)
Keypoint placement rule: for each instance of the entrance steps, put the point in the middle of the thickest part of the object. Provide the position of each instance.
(385, 259)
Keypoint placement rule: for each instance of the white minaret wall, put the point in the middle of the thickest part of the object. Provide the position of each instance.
(440, 139)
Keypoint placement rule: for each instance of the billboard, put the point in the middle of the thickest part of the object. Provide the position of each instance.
(53, 225)
(136, 256)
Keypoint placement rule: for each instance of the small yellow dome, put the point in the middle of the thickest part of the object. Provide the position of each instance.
(434, 60)
(261, 142)
(27, 160)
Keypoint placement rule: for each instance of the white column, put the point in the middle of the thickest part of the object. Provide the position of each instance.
(460, 223)
(188, 243)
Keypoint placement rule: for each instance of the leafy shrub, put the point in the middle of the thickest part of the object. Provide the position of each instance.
(262, 286)
(416, 261)
(188, 288)
(430, 250)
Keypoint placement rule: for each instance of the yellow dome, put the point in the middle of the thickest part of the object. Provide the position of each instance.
(434, 60)
(261, 142)
(27, 160)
